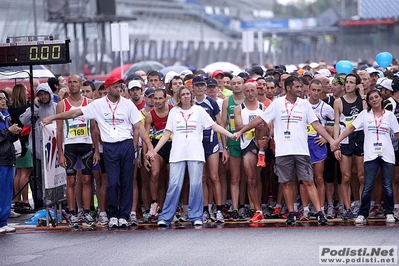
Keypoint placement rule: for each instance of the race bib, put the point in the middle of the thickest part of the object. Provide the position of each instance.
(231, 122)
(311, 130)
(78, 131)
(250, 134)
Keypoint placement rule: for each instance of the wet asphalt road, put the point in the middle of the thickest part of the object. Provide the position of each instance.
(231, 244)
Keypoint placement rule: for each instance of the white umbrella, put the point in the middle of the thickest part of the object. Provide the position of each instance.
(224, 66)
(22, 72)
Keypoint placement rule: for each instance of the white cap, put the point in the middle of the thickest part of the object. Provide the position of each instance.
(387, 84)
(186, 72)
(314, 65)
(134, 84)
(324, 72)
(169, 76)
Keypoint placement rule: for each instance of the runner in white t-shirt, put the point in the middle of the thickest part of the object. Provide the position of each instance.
(117, 119)
(186, 122)
(377, 125)
(291, 115)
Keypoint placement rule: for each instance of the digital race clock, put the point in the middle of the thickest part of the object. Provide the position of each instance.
(34, 53)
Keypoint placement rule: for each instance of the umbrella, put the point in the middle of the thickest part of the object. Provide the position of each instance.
(224, 66)
(22, 72)
(176, 69)
(117, 70)
(146, 66)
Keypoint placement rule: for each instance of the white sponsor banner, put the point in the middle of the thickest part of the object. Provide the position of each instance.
(358, 255)
(54, 175)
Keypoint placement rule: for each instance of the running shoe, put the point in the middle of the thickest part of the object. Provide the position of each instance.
(93, 214)
(373, 211)
(113, 222)
(133, 219)
(14, 214)
(183, 217)
(146, 217)
(348, 215)
(355, 209)
(205, 217)
(154, 209)
(258, 216)
(341, 212)
(102, 218)
(330, 211)
(219, 217)
(291, 220)
(88, 219)
(360, 219)
(234, 215)
(73, 221)
(198, 223)
(81, 217)
(261, 161)
(8, 229)
(161, 224)
(123, 223)
(243, 213)
(390, 218)
(321, 218)
(396, 213)
(305, 215)
(212, 216)
(276, 212)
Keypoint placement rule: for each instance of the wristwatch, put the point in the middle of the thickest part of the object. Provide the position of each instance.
(226, 147)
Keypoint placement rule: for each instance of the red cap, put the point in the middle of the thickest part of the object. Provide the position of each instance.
(251, 81)
(217, 72)
(112, 80)
(332, 70)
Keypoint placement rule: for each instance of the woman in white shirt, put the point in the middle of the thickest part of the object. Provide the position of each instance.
(186, 122)
(377, 125)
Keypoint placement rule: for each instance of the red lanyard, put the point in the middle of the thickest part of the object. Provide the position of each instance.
(378, 123)
(186, 120)
(112, 111)
(289, 113)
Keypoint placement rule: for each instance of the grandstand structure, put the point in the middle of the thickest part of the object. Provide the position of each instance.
(198, 32)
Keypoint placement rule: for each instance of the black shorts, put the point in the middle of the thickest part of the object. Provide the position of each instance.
(352, 149)
(72, 152)
(164, 152)
(250, 148)
(332, 168)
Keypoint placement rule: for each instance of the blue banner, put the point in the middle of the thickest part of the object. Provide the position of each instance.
(275, 24)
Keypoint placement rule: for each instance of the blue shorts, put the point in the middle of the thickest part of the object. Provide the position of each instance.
(210, 147)
(317, 153)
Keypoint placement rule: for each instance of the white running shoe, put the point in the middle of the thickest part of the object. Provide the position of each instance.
(14, 214)
(198, 223)
(123, 223)
(113, 222)
(8, 229)
(360, 219)
(219, 217)
(133, 219)
(102, 218)
(390, 218)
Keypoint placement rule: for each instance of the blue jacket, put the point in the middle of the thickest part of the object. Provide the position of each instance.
(7, 151)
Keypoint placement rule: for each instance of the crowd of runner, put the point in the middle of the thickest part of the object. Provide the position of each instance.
(210, 147)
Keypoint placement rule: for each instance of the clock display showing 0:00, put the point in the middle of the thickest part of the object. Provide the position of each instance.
(45, 52)
(34, 53)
